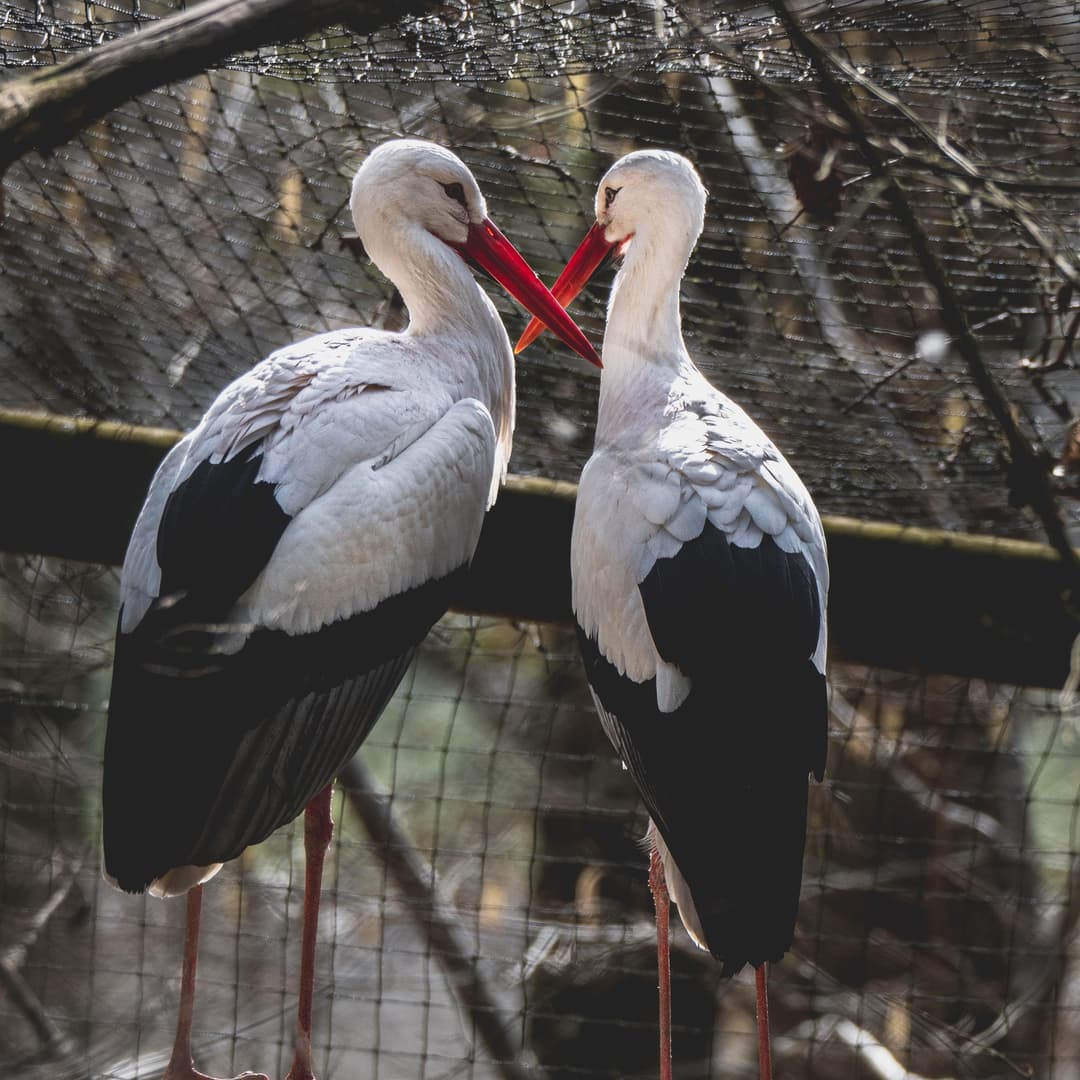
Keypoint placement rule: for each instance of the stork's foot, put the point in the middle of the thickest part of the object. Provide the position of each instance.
(179, 1070)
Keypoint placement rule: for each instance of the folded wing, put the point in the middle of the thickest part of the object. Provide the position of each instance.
(275, 590)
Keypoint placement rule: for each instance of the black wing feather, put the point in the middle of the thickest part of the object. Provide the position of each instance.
(208, 751)
(725, 776)
(217, 532)
(204, 761)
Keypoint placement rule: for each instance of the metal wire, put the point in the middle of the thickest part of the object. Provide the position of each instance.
(189, 233)
(215, 208)
(939, 900)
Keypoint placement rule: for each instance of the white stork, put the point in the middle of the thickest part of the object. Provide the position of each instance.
(699, 589)
(296, 547)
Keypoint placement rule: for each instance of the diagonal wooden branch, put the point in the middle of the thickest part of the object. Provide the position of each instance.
(1030, 479)
(53, 1042)
(436, 922)
(46, 108)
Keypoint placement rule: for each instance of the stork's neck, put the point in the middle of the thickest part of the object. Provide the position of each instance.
(643, 313)
(470, 352)
(447, 305)
(643, 339)
(438, 288)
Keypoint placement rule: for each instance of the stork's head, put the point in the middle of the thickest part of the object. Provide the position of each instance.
(410, 188)
(654, 192)
(650, 198)
(419, 182)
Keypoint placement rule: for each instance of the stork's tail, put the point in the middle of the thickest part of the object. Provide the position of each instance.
(738, 893)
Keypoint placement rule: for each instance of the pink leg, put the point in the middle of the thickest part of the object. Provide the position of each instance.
(761, 976)
(318, 827)
(181, 1066)
(663, 958)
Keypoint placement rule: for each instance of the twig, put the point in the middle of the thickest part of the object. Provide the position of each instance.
(834, 999)
(1059, 361)
(15, 956)
(923, 797)
(1044, 984)
(778, 198)
(53, 1041)
(897, 369)
(991, 188)
(433, 918)
(1029, 477)
(947, 165)
(874, 1054)
(967, 168)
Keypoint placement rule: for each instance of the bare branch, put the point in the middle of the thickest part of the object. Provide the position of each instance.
(42, 110)
(433, 918)
(779, 201)
(874, 1054)
(990, 187)
(922, 796)
(15, 956)
(1030, 478)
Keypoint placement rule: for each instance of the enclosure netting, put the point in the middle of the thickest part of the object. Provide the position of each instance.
(190, 232)
(933, 934)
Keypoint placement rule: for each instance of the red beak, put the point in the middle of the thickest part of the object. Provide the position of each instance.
(591, 252)
(489, 249)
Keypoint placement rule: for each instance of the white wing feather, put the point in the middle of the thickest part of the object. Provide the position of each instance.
(140, 578)
(707, 461)
(386, 478)
(381, 530)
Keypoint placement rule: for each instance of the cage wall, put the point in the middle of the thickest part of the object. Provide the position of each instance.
(936, 933)
(188, 233)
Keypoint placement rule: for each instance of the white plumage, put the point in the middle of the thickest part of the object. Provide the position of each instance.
(648, 489)
(699, 587)
(384, 474)
(671, 451)
(296, 546)
(675, 453)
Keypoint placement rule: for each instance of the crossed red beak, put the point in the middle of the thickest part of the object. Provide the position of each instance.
(591, 252)
(491, 251)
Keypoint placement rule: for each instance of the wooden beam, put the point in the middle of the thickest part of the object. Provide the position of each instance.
(901, 597)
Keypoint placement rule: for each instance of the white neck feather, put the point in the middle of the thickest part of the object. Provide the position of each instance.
(643, 312)
(446, 305)
(644, 351)
(438, 288)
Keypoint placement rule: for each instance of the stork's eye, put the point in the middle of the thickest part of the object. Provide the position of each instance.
(456, 192)
(609, 196)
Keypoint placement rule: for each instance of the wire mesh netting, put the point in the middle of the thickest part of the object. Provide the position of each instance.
(933, 935)
(191, 231)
